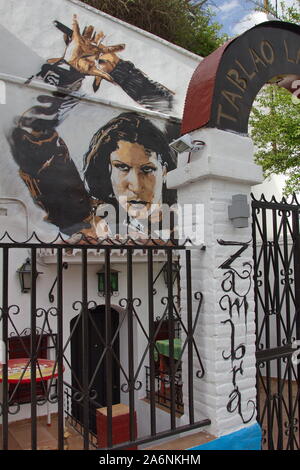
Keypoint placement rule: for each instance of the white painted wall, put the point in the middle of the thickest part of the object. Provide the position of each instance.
(272, 186)
(161, 61)
(28, 33)
(32, 38)
(224, 167)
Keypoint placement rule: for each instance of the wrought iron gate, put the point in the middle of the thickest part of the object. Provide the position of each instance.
(74, 388)
(276, 244)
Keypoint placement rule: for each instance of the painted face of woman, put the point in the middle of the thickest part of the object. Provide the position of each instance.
(137, 178)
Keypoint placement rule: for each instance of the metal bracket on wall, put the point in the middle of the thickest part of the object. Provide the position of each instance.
(50, 295)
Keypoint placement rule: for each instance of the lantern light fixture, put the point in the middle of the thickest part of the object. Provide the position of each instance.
(174, 271)
(25, 275)
(114, 282)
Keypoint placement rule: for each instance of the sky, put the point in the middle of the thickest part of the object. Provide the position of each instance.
(239, 15)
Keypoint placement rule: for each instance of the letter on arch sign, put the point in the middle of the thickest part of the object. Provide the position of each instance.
(225, 84)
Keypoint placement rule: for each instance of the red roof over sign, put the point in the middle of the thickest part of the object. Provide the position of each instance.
(224, 85)
(197, 109)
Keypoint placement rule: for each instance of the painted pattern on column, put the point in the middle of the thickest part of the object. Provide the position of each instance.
(236, 286)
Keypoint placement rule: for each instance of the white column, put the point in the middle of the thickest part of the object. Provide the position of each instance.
(223, 168)
(1, 325)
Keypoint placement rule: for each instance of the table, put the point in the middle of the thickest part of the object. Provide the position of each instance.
(19, 371)
(163, 348)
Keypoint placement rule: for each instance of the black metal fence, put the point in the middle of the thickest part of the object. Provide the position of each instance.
(162, 386)
(276, 239)
(95, 361)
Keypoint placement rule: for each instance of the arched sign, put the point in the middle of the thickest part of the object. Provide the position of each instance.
(225, 84)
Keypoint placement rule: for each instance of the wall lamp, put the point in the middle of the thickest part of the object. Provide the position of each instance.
(167, 270)
(114, 282)
(185, 143)
(25, 273)
(172, 271)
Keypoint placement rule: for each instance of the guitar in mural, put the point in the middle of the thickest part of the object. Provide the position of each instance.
(127, 159)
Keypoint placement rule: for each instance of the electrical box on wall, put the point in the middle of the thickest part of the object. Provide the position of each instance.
(239, 211)
(3, 211)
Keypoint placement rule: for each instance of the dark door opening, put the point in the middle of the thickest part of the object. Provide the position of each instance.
(97, 384)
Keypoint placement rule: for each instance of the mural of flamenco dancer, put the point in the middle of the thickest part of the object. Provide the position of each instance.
(87, 56)
(127, 159)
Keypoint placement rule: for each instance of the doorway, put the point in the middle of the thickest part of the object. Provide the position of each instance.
(95, 363)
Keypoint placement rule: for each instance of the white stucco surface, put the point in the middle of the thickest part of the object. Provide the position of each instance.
(28, 38)
(223, 167)
(26, 21)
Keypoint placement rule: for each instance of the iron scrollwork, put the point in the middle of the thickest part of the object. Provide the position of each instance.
(50, 295)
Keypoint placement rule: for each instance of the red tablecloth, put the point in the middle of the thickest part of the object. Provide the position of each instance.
(44, 370)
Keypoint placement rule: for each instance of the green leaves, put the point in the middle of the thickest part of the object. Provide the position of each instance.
(275, 124)
(183, 22)
(275, 129)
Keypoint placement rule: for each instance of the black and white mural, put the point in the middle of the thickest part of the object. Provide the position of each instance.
(125, 156)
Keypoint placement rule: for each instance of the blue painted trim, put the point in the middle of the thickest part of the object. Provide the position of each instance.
(245, 439)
